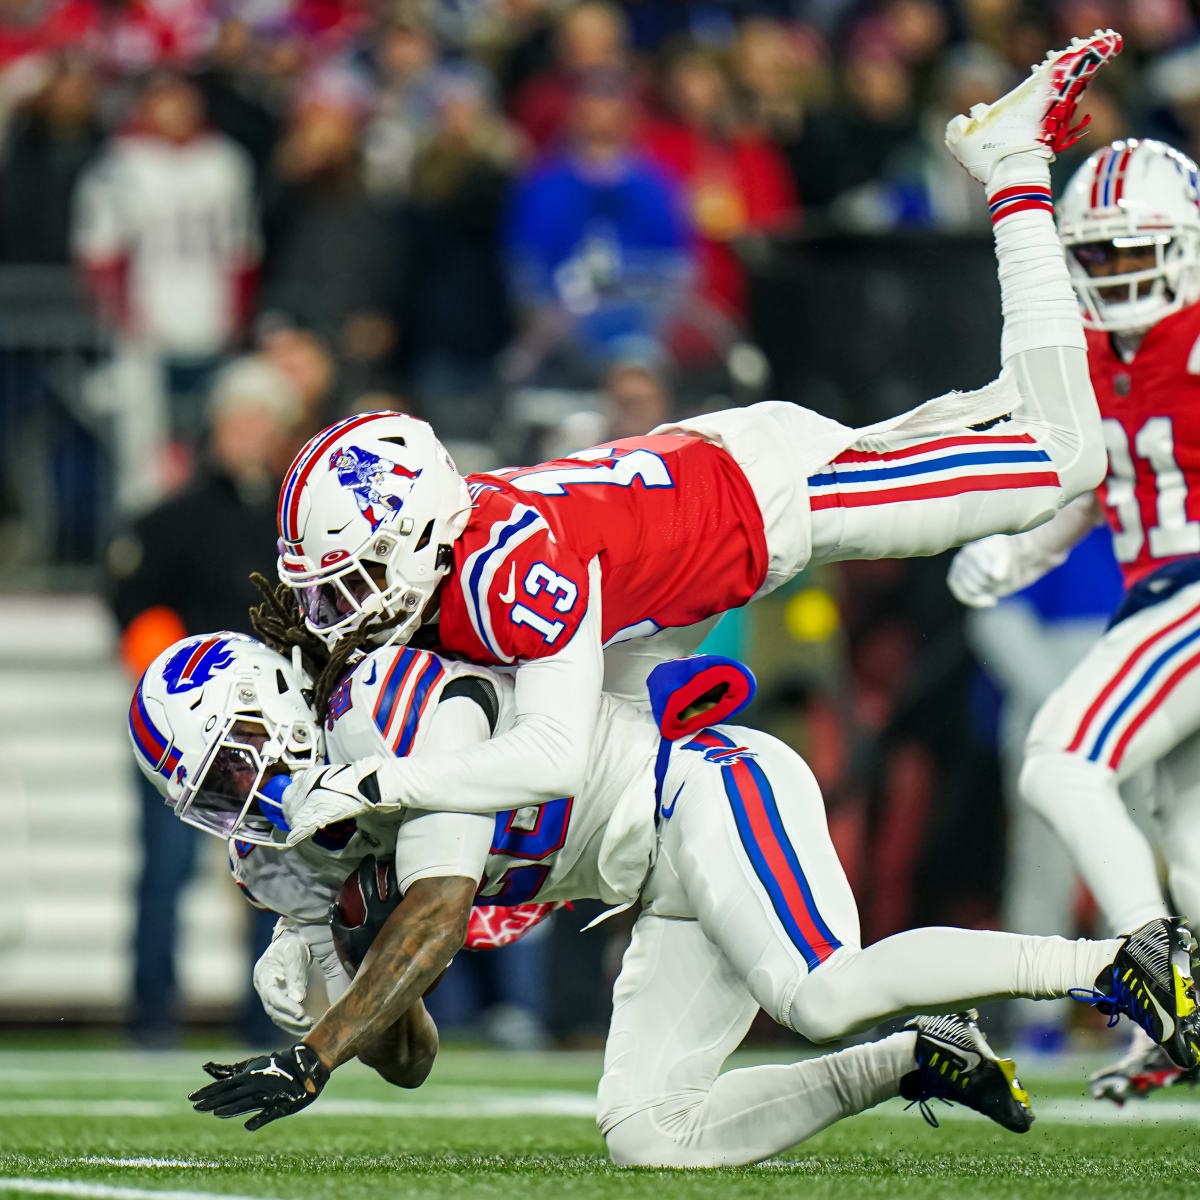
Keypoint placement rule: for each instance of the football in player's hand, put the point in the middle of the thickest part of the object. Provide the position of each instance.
(368, 897)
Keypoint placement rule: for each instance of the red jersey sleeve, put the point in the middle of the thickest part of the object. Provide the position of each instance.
(525, 593)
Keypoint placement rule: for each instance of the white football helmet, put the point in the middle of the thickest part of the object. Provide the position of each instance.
(1132, 195)
(368, 512)
(218, 724)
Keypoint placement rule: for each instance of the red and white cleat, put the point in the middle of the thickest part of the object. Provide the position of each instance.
(1038, 115)
(1145, 1068)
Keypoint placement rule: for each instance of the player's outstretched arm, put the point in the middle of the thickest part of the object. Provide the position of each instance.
(985, 571)
(412, 950)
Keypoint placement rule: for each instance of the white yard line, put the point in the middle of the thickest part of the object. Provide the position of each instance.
(99, 1160)
(104, 1191)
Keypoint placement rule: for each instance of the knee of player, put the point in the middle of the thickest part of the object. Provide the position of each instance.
(817, 1009)
(1052, 781)
(639, 1140)
(1036, 782)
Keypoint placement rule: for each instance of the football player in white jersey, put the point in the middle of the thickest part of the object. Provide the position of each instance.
(718, 831)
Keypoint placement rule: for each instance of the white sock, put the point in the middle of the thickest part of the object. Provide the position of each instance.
(754, 1113)
(939, 970)
(1039, 304)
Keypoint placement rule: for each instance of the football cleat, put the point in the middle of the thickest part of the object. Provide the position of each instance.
(1037, 116)
(1145, 1068)
(955, 1064)
(1150, 982)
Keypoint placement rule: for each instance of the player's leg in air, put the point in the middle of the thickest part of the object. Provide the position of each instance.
(1132, 704)
(747, 905)
(960, 467)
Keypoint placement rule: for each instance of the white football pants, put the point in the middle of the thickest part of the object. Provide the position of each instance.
(1132, 703)
(747, 907)
(896, 495)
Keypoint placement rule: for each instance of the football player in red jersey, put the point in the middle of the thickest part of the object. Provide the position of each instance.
(1130, 219)
(640, 544)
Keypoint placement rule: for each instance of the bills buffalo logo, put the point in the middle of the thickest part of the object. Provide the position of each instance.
(723, 756)
(367, 476)
(195, 664)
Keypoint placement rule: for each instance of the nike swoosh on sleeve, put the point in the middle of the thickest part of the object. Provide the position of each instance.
(509, 596)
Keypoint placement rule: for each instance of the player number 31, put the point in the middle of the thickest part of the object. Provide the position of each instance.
(1172, 533)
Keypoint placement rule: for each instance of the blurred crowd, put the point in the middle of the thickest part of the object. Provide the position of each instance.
(539, 224)
(430, 203)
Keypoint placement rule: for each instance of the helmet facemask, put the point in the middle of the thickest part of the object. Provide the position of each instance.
(1131, 301)
(366, 587)
(250, 756)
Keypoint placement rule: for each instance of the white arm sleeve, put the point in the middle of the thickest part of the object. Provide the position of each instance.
(544, 756)
(433, 845)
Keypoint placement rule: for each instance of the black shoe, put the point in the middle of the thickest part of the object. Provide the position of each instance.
(1150, 982)
(955, 1064)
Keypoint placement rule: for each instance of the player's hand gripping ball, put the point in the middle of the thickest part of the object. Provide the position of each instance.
(368, 897)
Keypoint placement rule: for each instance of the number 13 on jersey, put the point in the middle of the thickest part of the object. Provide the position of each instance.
(558, 588)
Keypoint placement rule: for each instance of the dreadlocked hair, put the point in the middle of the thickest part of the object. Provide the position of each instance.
(279, 622)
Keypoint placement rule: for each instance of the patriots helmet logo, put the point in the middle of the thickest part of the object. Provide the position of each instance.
(367, 475)
(193, 665)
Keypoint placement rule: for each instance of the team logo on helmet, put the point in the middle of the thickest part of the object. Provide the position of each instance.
(366, 475)
(193, 666)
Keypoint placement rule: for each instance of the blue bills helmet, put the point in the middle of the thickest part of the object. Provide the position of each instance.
(218, 724)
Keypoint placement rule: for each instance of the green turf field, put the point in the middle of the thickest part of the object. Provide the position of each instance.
(114, 1125)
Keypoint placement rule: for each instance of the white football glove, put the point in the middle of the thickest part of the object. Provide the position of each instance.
(982, 572)
(320, 796)
(281, 980)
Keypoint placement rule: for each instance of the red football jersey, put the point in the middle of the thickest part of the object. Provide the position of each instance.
(1151, 411)
(673, 520)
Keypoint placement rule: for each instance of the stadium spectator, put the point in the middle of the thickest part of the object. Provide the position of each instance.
(334, 254)
(636, 398)
(592, 37)
(598, 244)
(848, 145)
(169, 578)
(166, 233)
(736, 182)
(233, 93)
(310, 368)
(49, 146)
(520, 43)
(459, 320)
(404, 102)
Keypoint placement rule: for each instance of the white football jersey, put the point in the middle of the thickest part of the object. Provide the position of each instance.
(182, 216)
(399, 700)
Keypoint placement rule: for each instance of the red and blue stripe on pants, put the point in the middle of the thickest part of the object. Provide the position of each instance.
(760, 827)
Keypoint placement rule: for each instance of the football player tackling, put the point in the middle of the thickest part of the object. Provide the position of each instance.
(718, 831)
(1130, 219)
(637, 546)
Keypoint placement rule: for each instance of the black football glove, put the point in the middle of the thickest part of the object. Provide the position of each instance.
(225, 1070)
(271, 1086)
(380, 898)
